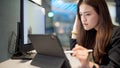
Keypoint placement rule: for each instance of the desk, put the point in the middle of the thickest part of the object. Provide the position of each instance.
(12, 63)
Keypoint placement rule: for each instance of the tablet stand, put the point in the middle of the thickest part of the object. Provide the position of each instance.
(45, 61)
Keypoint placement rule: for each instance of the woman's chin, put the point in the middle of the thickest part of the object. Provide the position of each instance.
(86, 28)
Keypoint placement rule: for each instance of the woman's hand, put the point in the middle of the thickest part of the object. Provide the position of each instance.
(76, 24)
(82, 54)
(75, 28)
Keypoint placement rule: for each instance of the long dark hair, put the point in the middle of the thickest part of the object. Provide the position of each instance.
(98, 40)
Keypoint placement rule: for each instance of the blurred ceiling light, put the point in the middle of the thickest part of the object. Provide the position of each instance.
(50, 14)
(57, 24)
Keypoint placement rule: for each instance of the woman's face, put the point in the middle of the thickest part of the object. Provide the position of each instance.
(89, 17)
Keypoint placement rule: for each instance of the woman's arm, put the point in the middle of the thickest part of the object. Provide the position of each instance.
(75, 28)
(74, 33)
(72, 43)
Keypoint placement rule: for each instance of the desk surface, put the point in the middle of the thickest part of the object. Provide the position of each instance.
(12, 63)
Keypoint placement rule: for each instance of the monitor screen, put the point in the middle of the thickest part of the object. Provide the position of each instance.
(34, 19)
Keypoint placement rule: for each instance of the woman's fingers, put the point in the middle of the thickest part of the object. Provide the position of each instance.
(80, 54)
(79, 47)
(79, 50)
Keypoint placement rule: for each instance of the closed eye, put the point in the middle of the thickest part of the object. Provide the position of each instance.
(88, 14)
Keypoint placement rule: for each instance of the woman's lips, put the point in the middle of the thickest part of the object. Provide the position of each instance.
(85, 24)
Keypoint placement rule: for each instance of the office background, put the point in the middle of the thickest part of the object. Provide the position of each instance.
(10, 16)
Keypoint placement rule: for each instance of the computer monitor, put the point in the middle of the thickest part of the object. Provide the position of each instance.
(32, 21)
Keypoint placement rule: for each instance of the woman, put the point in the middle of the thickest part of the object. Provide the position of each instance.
(93, 29)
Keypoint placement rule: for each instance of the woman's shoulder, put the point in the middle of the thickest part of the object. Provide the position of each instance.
(116, 31)
(115, 46)
(115, 35)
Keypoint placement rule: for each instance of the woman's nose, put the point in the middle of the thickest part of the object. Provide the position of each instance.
(83, 18)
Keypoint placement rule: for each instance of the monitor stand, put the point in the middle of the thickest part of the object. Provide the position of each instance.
(25, 56)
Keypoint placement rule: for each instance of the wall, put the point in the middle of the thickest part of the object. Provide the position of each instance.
(9, 16)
